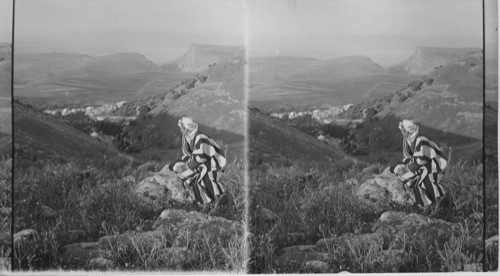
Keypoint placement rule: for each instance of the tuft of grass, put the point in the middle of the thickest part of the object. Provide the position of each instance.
(5, 215)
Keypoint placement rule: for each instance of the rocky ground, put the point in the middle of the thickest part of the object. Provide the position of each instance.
(178, 239)
(401, 240)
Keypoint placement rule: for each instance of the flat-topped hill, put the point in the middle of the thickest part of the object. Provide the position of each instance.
(200, 56)
(425, 59)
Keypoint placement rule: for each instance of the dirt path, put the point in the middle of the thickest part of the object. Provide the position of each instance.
(356, 161)
(143, 88)
(369, 92)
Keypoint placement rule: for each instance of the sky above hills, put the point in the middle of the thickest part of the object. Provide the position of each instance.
(161, 30)
(385, 30)
(5, 20)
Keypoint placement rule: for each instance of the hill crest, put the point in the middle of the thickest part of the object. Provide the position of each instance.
(39, 66)
(425, 59)
(200, 56)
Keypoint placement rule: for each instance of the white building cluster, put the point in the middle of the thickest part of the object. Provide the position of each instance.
(95, 112)
(324, 116)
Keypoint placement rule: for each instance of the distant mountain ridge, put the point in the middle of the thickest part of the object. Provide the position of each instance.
(424, 59)
(200, 56)
(268, 69)
(33, 67)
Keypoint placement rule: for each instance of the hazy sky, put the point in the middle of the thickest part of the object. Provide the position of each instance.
(154, 26)
(367, 17)
(386, 30)
(5, 20)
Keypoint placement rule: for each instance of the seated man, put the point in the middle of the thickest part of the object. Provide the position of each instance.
(423, 165)
(202, 159)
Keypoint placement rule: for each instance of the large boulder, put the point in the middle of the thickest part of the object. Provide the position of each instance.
(415, 228)
(302, 258)
(172, 226)
(131, 240)
(385, 188)
(386, 242)
(163, 186)
(199, 225)
(80, 254)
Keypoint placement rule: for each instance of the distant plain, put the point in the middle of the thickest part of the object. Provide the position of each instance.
(99, 89)
(323, 93)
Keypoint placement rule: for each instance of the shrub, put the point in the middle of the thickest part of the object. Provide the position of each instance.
(112, 203)
(415, 85)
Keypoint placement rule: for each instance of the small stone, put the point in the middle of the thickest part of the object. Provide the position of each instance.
(476, 216)
(100, 264)
(316, 267)
(491, 243)
(129, 179)
(47, 212)
(475, 267)
(352, 182)
(267, 215)
(25, 235)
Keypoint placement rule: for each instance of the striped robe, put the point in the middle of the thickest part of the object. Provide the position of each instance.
(204, 158)
(426, 163)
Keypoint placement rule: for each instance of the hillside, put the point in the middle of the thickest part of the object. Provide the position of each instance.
(271, 141)
(454, 101)
(213, 98)
(491, 81)
(40, 66)
(5, 103)
(199, 56)
(270, 69)
(5, 69)
(42, 137)
(425, 59)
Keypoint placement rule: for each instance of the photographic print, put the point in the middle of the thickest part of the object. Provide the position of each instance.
(248, 136)
(129, 135)
(365, 136)
(5, 135)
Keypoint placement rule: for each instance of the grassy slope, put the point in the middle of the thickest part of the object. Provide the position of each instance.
(43, 136)
(272, 140)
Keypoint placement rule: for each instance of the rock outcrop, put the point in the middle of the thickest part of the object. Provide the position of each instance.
(85, 254)
(176, 236)
(391, 229)
(161, 187)
(384, 189)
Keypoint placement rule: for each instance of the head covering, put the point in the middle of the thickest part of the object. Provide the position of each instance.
(189, 126)
(187, 123)
(408, 126)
